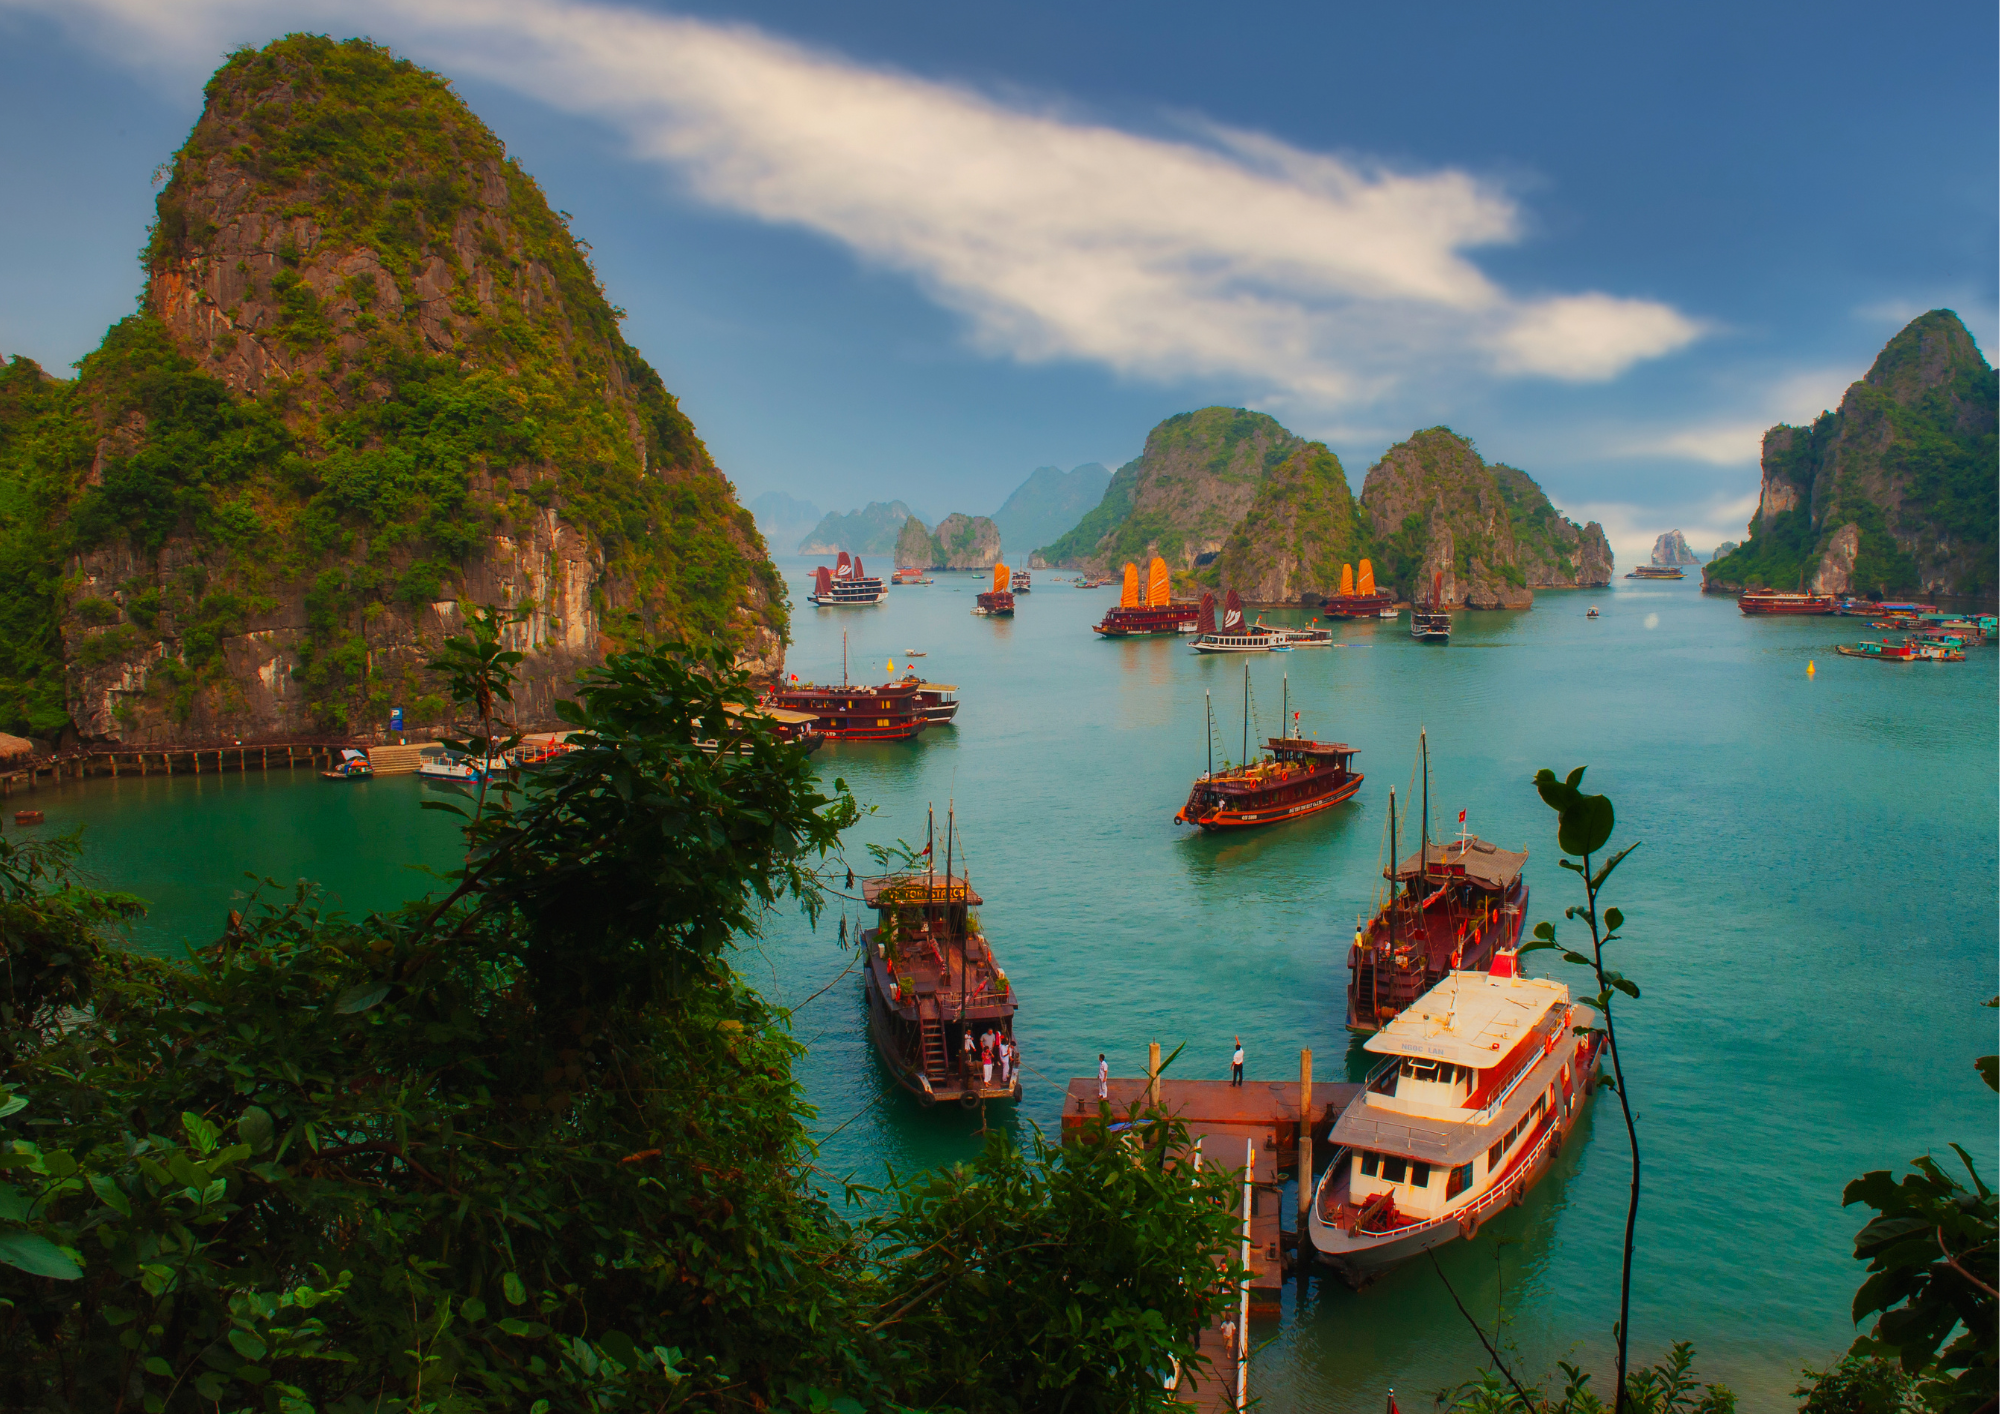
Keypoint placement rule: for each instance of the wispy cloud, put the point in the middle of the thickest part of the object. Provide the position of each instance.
(1738, 440)
(1214, 254)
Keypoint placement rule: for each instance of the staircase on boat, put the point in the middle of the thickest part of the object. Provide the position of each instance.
(931, 1034)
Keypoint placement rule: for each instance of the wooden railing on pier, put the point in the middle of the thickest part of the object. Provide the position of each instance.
(238, 758)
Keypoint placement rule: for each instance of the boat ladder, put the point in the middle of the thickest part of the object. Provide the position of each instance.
(932, 1036)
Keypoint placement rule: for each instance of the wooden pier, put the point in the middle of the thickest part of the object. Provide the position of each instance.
(1265, 1114)
(232, 759)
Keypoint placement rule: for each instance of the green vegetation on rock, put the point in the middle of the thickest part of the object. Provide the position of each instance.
(373, 373)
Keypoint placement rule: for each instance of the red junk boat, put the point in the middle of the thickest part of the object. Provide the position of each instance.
(1782, 601)
(894, 711)
(1156, 612)
(846, 585)
(1358, 597)
(997, 602)
(1298, 776)
(1452, 907)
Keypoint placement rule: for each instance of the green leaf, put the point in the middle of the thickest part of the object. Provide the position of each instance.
(37, 1256)
(255, 1128)
(618, 1347)
(511, 1286)
(200, 1132)
(13, 1104)
(156, 1366)
(1585, 825)
(1546, 931)
(1613, 919)
(13, 1204)
(1623, 984)
(360, 997)
(247, 1344)
(1989, 1070)
(110, 1195)
(1558, 794)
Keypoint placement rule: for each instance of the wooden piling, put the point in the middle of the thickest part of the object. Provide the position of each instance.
(1152, 1074)
(1305, 1139)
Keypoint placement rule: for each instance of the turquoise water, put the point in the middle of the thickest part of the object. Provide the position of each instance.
(1812, 920)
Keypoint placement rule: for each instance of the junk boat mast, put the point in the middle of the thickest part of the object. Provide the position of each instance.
(1297, 776)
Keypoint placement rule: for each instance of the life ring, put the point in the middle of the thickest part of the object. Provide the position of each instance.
(968, 1100)
(926, 1098)
(1468, 1226)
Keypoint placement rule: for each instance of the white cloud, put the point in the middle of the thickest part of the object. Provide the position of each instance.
(1797, 398)
(1223, 254)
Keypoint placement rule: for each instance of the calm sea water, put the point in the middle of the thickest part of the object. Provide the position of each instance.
(1812, 920)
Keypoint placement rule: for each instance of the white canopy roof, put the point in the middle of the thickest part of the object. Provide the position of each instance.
(1470, 1018)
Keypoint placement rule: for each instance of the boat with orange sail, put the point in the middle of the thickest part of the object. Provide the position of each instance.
(1452, 906)
(997, 602)
(1297, 775)
(1358, 597)
(1151, 611)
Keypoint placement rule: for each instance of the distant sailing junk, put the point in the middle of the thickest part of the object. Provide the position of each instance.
(846, 585)
(997, 602)
(1452, 906)
(1656, 572)
(1757, 602)
(1358, 597)
(1155, 611)
(939, 1007)
(1430, 622)
(1296, 776)
(1483, 1077)
(1231, 636)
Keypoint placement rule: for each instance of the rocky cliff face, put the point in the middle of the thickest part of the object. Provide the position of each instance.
(374, 380)
(1183, 496)
(960, 542)
(1434, 506)
(872, 530)
(1672, 549)
(1048, 504)
(1301, 526)
(1896, 491)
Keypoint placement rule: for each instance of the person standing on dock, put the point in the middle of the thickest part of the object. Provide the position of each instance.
(1236, 1064)
(1103, 1077)
(971, 1051)
(986, 1062)
(1006, 1062)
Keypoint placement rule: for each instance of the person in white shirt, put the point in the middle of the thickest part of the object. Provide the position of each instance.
(1006, 1062)
(1103, 1077)
(971, 1053)
(1236, 1064)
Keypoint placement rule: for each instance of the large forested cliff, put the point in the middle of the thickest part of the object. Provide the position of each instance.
(1896, 492)
(373, 378)
(1245, 504)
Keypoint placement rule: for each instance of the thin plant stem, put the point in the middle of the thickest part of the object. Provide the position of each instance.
(1498, 1363)
(1590, 886)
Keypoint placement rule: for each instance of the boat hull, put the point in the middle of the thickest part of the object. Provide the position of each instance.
(1250, 816)
(900, 1060)
(1760, 605)
(1145, 621)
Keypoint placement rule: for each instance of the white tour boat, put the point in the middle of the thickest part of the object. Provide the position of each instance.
(1483, 1080)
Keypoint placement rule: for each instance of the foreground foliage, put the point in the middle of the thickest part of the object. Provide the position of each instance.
(535, 1146)
(1668, 1387)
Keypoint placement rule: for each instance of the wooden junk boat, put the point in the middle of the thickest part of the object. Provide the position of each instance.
(851, 712)
(938, 699)
(846, 585)
(1656, 572)
(1358, 597)
(1155, 611)
(1758, 602)
(1430, 622)
(1297, 776)
(1453, 906)
(997, 602)
(931, 982)
(1482, 1079)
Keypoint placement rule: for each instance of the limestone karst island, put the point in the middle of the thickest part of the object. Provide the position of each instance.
(785, 714)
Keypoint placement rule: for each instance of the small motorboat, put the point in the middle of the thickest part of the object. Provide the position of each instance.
(1593, 612)
(913, 653)
(352, 766)
(1281, 646)
(461, 770)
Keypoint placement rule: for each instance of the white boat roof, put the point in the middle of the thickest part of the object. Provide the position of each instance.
(1470, 1018)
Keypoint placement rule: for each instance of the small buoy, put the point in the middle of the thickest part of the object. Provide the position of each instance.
(27, 817)
(1810, 669)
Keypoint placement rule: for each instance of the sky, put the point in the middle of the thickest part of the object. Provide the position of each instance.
(901, 250)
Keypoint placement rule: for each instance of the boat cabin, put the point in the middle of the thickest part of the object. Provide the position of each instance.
(1452, 905)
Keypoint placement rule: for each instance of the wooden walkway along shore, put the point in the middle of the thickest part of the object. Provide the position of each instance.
(1223, 1117)
(205, 760)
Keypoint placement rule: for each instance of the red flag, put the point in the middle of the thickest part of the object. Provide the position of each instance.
(1461, 817)
(1392, 1403)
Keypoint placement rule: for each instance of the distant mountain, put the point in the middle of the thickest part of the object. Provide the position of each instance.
(1045, 506)
(960, 542)
(1895, 492)
(872, 530)
(1672, 549)
(1727, 547)
(1435, 506)
(1182, 496)
(775, 508)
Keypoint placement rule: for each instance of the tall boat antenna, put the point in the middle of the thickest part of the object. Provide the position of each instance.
(1246, 716)
(950, 819)
(1285, 710)
(1375, 972)
(1424, 857)
(1208, 709)
(843, 657)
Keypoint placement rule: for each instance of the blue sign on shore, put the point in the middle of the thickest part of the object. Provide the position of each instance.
(395, 719)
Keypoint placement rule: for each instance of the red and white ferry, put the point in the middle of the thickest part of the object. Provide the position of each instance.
(846, 585)
(1482, 1081)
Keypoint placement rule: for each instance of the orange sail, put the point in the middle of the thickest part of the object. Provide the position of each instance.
(1129, 597)
(1367, 583)
(1157, 586)
(1347, 579)
(1001, 577)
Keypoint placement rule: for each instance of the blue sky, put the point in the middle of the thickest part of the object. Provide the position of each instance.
(915, 250)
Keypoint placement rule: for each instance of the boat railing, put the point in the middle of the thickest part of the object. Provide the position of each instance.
(1498, 1196)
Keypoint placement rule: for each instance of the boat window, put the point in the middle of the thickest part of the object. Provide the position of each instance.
(1420, 1175)
(1458, 1181)
(1421, 1069)
(1493, 1159)
(1541, 1107)
(1371, 1164)
(1393, 1170)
